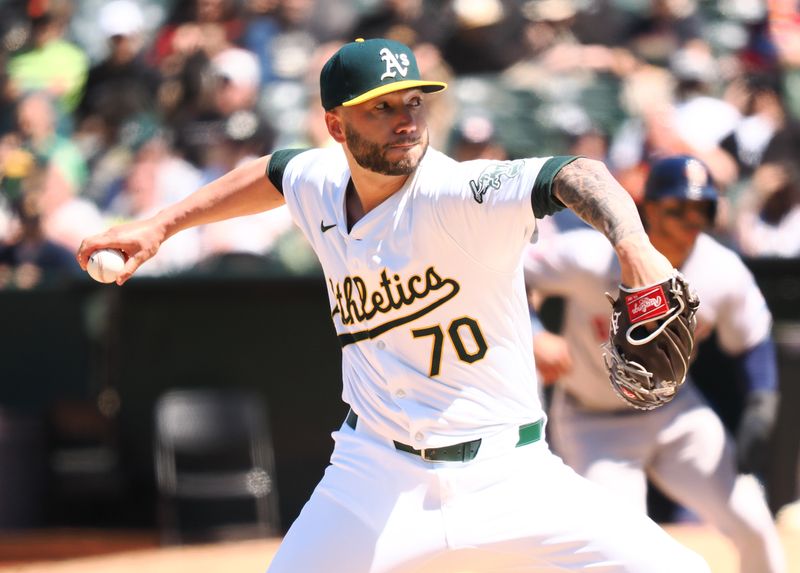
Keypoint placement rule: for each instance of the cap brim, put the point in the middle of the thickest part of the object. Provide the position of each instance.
(427, 87)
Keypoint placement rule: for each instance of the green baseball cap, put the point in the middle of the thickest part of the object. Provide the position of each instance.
(365, 69)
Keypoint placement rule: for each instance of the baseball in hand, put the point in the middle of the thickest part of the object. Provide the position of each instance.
(105, 265)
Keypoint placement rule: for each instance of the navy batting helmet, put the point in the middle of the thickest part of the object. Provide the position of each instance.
(681, 177)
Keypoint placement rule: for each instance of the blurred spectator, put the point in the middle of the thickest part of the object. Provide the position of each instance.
(16, 163)
(109, 161)
(158, 178)
(701, 118)
(551, 35)
(36, 121)
(233, 86)
(768, 220)
(411, 22)
(756, 52)
(768, 224)
(474, 138)
(485, 36)
(603, 22)
(196, 31)
(293, 110)
(122, 85)
(237, 74)
(50, 62)
(550, 43)
(758, 99)
(283, 37)
(194, 26)
(785, 141)
(783, 17)
(63, 217)
(66, 217)
(674, 111)
(14, 34)
(244, 139)
(28, 258)
(591, 142)
(647, 98)
(662, 28)
(577, 83)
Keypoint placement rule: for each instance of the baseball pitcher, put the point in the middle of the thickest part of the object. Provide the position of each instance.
(441, 465)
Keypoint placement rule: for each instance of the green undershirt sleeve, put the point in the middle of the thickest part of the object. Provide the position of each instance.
(277, 165)
(542, 198)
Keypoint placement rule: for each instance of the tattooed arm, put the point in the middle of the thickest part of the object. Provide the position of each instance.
(587, 187)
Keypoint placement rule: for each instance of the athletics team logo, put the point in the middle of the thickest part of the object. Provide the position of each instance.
(492, 177)
(615, 321)
(395, 63)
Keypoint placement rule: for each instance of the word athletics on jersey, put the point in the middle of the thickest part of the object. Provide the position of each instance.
(355, 302)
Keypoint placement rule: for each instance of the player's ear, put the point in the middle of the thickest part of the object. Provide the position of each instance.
(333, 121)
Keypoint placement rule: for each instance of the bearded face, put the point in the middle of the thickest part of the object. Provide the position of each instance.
(387, 158)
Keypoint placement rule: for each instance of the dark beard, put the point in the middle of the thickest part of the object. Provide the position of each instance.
(370, 156)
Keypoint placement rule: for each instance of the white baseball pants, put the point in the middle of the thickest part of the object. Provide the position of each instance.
(379, 510)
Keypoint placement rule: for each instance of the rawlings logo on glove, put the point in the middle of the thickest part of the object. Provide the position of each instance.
(651, 340)
(646, 304)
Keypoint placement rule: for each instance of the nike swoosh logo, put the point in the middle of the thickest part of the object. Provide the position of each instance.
(323, 227)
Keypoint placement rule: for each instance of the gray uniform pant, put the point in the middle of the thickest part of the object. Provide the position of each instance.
(685, 451)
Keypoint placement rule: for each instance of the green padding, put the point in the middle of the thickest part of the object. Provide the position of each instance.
(542, 197)
(277, 164)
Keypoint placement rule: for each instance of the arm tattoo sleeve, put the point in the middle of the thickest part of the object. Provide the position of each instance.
(586, 187)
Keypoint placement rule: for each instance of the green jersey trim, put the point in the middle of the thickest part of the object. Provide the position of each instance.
(277, 165)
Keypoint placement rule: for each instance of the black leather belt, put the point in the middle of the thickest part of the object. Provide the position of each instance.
(463, 452)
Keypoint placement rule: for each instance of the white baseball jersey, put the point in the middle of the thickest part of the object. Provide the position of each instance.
(582, 264)
(428, 299)
(427, 293)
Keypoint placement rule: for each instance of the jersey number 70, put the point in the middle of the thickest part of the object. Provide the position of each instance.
(454, 331)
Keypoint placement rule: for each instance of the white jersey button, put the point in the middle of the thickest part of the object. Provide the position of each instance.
(381, 345)
(419, 436)
(400, 393)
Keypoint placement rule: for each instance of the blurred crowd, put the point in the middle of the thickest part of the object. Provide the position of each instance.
(109, 110)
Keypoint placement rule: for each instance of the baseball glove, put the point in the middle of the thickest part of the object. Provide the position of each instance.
(651, 341)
